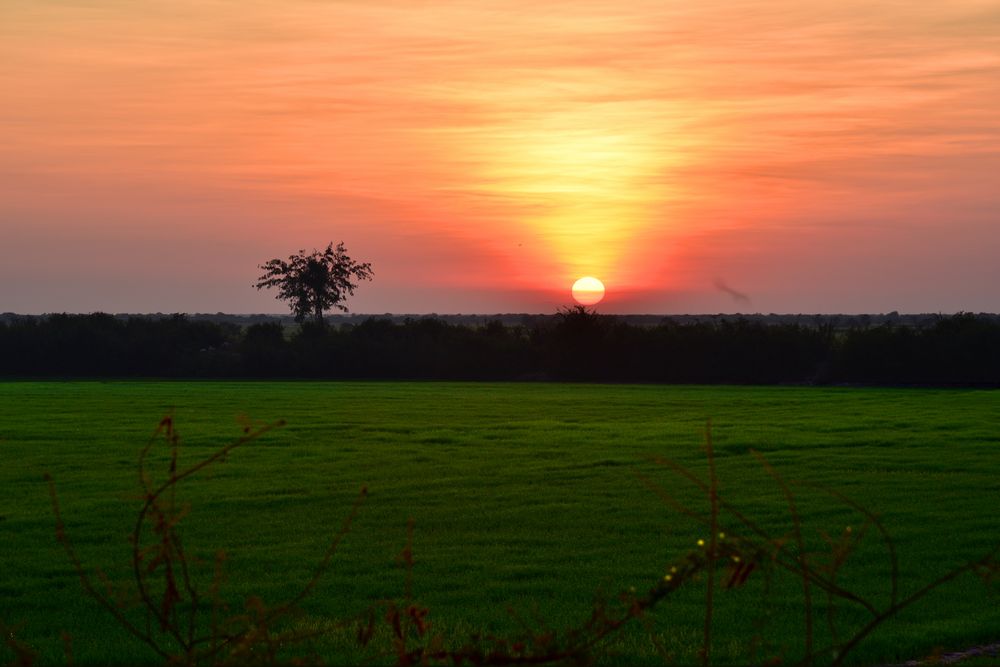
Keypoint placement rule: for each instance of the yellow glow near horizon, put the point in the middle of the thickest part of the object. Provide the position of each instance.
(594, 174)
(589, 178)
(593, 183)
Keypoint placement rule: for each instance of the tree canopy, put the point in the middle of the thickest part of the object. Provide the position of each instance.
(575, 344)
(315, 282)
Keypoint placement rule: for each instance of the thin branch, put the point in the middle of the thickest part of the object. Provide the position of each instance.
(883, 531)
(756, 529)
(713, 500)
(894, 609)
(74, 560)
(151, 504)
(800, 544)
(276, 612)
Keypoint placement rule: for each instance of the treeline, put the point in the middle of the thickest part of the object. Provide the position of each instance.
(963, 349)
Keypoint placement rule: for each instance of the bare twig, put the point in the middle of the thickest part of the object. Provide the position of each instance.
(84, 578)
(713, 537)
(800, 545)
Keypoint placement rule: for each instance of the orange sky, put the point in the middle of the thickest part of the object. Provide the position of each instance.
(816, 156)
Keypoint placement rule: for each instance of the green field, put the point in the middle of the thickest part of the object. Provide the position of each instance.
(522, 495)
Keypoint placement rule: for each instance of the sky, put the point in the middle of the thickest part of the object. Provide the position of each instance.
(782, 156)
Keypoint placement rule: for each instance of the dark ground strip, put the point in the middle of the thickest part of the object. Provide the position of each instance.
(955, 657)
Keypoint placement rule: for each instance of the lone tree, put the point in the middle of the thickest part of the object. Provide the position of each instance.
(315, 282)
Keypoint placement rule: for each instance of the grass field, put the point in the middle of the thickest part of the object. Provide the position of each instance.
(523, 495)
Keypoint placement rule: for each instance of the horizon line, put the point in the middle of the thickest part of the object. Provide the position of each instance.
(891, 313)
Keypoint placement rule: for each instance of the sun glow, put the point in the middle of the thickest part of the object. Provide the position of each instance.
(588, 291)
(588, 178)
(584, 183)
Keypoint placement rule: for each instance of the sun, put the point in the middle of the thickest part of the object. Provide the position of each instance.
(587, 291)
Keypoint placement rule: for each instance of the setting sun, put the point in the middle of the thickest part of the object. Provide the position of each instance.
(588, 291)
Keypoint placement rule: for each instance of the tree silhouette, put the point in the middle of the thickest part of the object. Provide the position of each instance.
(314, 282)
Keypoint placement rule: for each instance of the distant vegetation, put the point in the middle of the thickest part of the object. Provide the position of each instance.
(576, 344)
